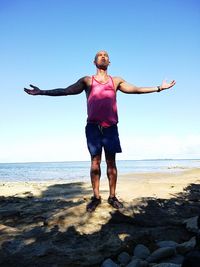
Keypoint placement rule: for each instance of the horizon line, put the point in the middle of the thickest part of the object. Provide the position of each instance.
(63, 161)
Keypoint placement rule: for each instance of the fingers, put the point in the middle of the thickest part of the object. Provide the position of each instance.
(32, 91)
(172, 82)
(167, 85)
(33, 86)
(28, 91)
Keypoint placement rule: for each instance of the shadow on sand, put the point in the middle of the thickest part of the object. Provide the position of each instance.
(54, 229)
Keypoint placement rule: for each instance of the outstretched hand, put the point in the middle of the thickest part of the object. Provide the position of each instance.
(34, 91)
(166, 85)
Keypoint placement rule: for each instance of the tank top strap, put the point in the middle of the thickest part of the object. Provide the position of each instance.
(112, 81)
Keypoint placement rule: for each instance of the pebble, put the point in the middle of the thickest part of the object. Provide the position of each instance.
(161, 253)
(177, 259)
(141, 251)
(192, 259)
(170, 254)
(185, 247)
(192, 224)
(134, 263)
(109, 263)
(167, 265)
(167, 243)
(123, 258)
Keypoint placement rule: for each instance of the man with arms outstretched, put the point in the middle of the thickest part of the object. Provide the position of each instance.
(101, 129)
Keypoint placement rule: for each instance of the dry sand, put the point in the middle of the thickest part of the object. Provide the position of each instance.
(129, 187)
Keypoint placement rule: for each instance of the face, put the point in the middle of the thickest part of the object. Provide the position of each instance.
(102, 60)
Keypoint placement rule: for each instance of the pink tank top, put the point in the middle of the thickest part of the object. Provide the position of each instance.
(102, 104)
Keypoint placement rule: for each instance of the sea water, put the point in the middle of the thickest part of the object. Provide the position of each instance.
(78, 171)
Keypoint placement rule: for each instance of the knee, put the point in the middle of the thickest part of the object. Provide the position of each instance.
(95, 164)
(111, 164)
(95, 168)
(110, 160)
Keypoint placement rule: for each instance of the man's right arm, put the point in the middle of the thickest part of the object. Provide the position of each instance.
(73, 89)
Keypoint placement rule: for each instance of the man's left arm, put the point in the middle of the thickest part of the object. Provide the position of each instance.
(128, 88)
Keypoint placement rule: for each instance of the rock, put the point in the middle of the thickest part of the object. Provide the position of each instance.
(177, 259)
(13, 246)
(4, 229)
(134, 263)
(144, 264)
(9, 213)
(163, 244)
(192, 259)
(134, 258)
(37, 231)
(109, 263)
(167, 265)
(141, 252)
(161, 253)
(192, 224)
(123, 258)
(186, 246)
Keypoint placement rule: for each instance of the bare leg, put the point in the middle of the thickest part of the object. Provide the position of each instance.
(95, 174)
(111, 172)
(112, 177)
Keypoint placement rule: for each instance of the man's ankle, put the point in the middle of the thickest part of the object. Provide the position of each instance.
(97, 196)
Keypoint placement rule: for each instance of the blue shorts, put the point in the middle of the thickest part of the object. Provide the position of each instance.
(99, 137)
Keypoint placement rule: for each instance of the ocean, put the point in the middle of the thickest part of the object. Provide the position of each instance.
(78, 171)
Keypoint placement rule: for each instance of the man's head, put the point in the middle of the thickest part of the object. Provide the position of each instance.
(101, 60)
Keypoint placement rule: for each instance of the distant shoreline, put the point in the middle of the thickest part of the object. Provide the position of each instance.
(78, 171)
(71, 161)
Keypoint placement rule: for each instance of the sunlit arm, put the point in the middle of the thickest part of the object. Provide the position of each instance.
(73, 89)
(128, 88)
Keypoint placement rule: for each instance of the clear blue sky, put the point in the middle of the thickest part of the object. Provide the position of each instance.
(52, 43)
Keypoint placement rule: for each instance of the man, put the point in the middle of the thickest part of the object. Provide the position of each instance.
(101, 128)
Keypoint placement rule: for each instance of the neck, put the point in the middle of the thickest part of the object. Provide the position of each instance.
(102, 73)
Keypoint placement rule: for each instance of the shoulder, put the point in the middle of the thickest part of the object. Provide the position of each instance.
(84, 82)
(84, 79)
(117, 81)
(87, 80)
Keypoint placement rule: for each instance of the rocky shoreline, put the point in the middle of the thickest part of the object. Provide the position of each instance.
(168, 253)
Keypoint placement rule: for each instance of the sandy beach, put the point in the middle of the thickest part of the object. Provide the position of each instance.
(130, 186)
(39, 222)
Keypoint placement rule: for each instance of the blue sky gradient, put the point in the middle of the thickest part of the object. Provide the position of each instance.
(52, 43)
